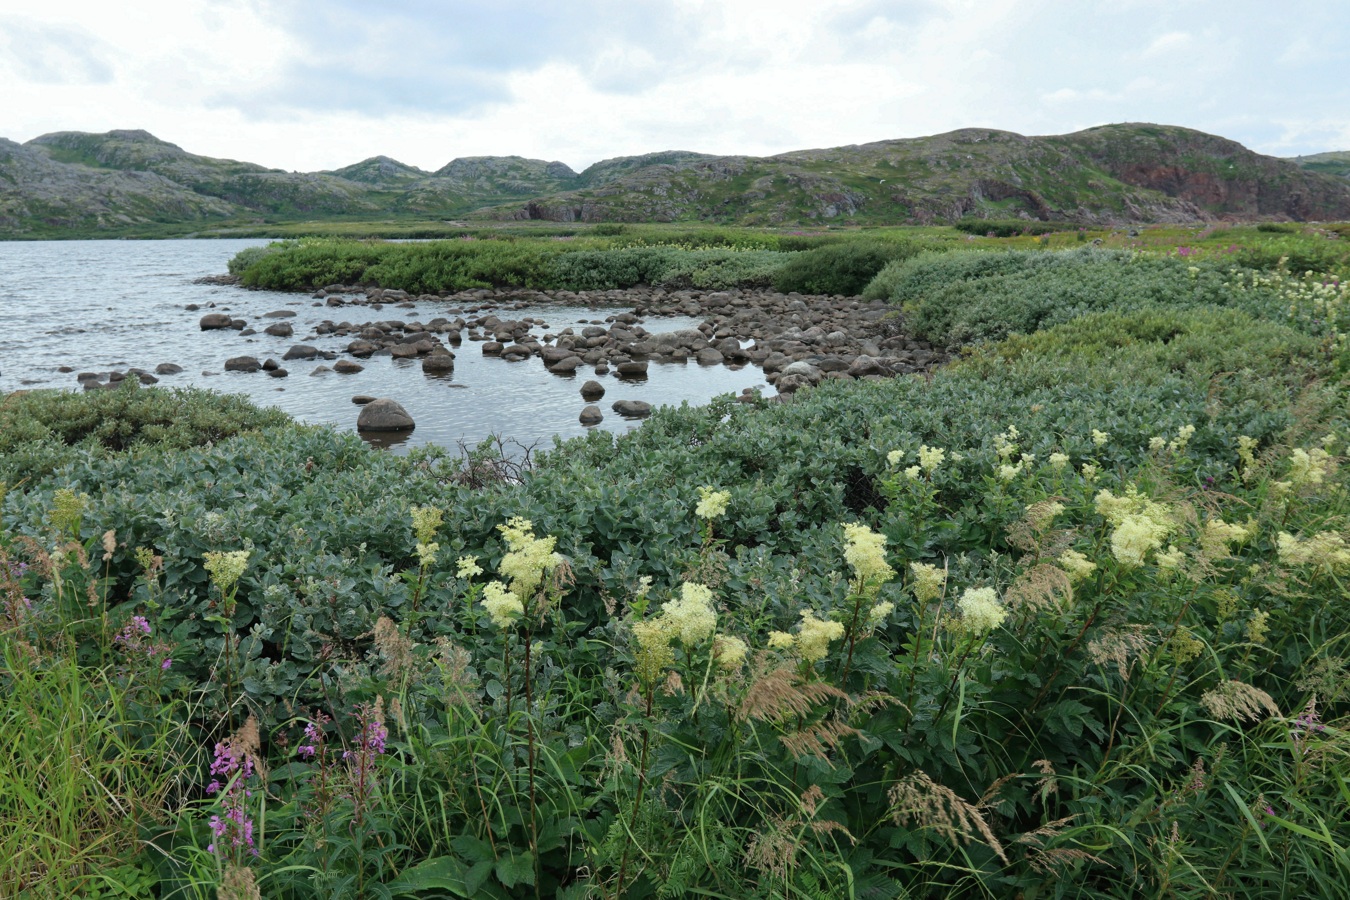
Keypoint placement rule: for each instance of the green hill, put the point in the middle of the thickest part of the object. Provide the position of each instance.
(1336, 163)
(131, 182)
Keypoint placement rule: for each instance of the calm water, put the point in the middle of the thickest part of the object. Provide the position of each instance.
(105, 305)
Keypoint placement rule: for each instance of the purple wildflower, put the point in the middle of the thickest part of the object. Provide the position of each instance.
(235, 828)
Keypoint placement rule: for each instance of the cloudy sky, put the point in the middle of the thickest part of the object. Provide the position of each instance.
(315, 84)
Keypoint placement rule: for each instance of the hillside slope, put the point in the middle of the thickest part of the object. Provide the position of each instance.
(77, 183)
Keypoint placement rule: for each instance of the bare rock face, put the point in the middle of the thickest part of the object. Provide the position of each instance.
(384, 414)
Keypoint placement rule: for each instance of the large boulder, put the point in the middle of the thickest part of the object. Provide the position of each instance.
(592, 390)
(591, 415)
(632, 409)
(280, 329)
(242, 364)
(438, 364)
(384, 414)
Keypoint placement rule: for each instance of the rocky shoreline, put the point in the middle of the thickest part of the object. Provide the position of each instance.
(798, 341)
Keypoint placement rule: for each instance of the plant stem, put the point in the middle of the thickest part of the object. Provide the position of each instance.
(637, 802)
(529, 733)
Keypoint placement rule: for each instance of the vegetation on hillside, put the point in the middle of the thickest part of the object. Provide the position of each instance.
(1068, 617)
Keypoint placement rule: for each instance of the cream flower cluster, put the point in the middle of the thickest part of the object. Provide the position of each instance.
(929, 581)
(691, 616)
(1218, 535)
(503, 607)
(865, 552)
(1140, 524)
(468, 567)
(814, 636)
(528, 558)
(981, 610)
(712, 504)
(426, 521)
(1325, 549)
(1076, 565)
(226, 568)
(931, 458)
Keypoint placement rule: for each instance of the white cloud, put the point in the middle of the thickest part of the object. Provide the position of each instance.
(310, 84)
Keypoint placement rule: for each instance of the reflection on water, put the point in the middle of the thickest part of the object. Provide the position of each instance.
(104, 305)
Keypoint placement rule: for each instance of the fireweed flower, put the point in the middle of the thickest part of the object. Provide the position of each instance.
(468, 567)
(691, 617)
(981, 610)
(711, 504)
(225, 568)
(929, 581)
(232, 768)
(866, 554)
(814, 636)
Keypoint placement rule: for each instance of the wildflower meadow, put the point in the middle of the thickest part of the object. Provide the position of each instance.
(1067, 618)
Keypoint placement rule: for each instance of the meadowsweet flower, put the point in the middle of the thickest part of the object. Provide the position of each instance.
(654, 654)
(1076, 565)
(1005, 444)
(894, 457)
(814, 636)
(502, 606)
(781, 640)
(729, 651)
(1156, 444)
(426, 521)
(1247, 455)
(528, 557)
(1100, 438)
(1059, 460)
(68, 508)
(1184, 435)
(712, 504)
(1326, 550)
(225, 568)
(1308, 467)
(879, 613)
(981, 610)
(1135, 536)
(426, 554)
(914, 473)
(930, 458)
(929, 581)
(1006, 472)
(468, 567)
(1217, 535)
(866, 554)
(1258, 626)
(692, 616)
(1170, 559)
(1090, 472)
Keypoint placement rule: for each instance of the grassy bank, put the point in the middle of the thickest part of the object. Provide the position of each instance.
(1067, 618)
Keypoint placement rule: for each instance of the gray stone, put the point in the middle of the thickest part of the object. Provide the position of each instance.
(591, 415)
(592, 390)
(242, 364)
(347, 367)
(403, 351)
(279, 314)
(363, 399)
(301, 351)
(709, 357)
(213, 321)
(319, 370)
(632, 368)
(168, 369)
(566, 366)
(280, 329)
(438, 364)
(632, 409)
(384, 414)
(277, 373)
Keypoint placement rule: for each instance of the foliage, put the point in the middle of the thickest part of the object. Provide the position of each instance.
(843, 268)
(1003, 229)
(1069, 616)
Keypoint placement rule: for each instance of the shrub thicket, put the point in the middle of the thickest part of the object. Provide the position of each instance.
(843, 268)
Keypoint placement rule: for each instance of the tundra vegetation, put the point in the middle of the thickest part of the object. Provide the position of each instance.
(1069, 617)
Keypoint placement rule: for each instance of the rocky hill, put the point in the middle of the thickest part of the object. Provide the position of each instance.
(1337, 163)
(76, 183)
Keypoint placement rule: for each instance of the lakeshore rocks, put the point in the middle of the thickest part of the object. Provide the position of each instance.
(363, 399)
(592, 390)
(281, 329)
(242, 364)
(438, 364)
(214, 321)
(591, 415)
(632, 409)
(168, 369)
(384, 414)
(280, 314)
(346, 367)
(301, 351)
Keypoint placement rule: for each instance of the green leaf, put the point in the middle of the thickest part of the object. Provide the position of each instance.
(444, 873)
(516, 868)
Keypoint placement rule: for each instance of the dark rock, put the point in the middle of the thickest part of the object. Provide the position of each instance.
(361, 349)
(492, 348)
(403, 351)
(347, 367)
(213, 321)
(277, 372)
(301, 351)
(238, 324)
(709, 357)
(168, 369)
(319, 370)
(592, 390)
(438, 364)
(242, 364)
(363, 399)
(270, 365)
(633, 368)
(632, 409)
(279, 314)
(384, 414)
(280, 329)
(66, 370)
(566, 366)
(591, 415)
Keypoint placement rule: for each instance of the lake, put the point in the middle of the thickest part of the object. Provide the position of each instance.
(111, 305)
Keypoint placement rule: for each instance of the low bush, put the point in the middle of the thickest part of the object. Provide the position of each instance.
(843, 268)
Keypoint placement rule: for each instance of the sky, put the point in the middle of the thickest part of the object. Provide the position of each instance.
(318, 84)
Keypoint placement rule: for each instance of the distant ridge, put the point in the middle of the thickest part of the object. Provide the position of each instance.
(1116, 174)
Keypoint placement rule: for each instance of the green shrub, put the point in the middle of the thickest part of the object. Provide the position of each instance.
(843, 268)
(1009, 228)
